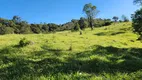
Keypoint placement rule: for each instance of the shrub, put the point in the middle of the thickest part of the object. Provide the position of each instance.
(76, 27)
(107, 23)
(70, 48)
(120, 21)
(35, 28)
(2, 30)
(6, 30)
(102, 22)
(9, 30)
(24, 42)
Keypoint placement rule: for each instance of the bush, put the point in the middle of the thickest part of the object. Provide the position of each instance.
(120, 21)
(35, 28)
(2, 30)
(9, 30)
(76, 27)
(107, 23)
(102, 22)
(6, 30)
(24, 42)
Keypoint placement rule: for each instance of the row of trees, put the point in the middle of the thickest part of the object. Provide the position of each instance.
(123, 19)
(18, 26)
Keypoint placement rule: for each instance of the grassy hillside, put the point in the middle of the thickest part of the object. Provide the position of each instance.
(110, 52)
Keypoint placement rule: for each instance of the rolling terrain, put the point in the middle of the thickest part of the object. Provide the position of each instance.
(107, 53)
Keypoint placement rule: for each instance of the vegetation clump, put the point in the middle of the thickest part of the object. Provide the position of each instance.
(70, 48)
(24, 42)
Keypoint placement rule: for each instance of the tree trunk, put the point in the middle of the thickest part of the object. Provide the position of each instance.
(91, 25)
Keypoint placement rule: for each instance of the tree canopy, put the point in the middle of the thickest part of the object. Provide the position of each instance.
(18, 26)
(115, 18)
(139, 2)
(91, 12)
(125, 19)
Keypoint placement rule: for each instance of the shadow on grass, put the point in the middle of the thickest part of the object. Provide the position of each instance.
(108, 33)
(117, 33)
(125, 60)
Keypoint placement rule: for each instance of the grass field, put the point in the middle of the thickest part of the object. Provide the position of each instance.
(107, 53)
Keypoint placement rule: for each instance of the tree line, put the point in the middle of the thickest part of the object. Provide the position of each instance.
(18, 26)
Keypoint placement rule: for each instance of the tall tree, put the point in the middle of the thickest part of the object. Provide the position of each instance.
(137, 19)
(137, 22)
(115, 18)
(16, 19)
(125, 19)
(91, 12)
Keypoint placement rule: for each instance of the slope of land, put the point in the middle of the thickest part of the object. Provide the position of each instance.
(110, 52)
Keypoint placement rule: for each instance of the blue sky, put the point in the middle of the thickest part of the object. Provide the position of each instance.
(62, 11)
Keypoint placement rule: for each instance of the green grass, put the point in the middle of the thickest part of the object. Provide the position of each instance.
(107, 53)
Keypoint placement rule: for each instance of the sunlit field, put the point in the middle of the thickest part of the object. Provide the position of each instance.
(107, 53)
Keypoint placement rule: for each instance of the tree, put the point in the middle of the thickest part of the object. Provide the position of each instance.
(74, 21)
(76, 27)
(16, 19)
(125, 19)
(2, 29)
(137, 19)
(67, 26)
(52, 27)
(137, 22)
(115, 18)
(9, 30)
(17, 29)
(6, 30)
(91, 12)
(25, 28)
(139, 2)
(107, 22)
(35, 28)
(11, 23)
(45, 28)
(82, 22)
